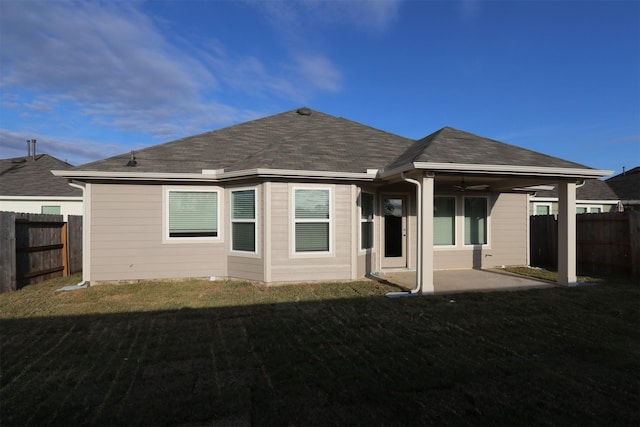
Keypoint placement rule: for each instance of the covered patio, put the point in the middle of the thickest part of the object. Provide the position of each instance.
(467, 280)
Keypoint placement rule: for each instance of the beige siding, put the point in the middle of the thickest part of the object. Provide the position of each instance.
(242, 267)
(288, 266)
(127, 238)
(509, 228)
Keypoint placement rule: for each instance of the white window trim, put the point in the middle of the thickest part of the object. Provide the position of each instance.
(246, 221)
(293, 221)
(536, 204)
(372, 221)
(485, 245)
(165, 216)
(589, 207)
(456, 225)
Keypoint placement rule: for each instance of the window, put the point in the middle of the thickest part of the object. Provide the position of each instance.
(193, 213)
(542, 209)
(366, 220)
(243, 220)
(588, 209)
(444, 221)
(475, 220)
(312, 218)
(51, 210)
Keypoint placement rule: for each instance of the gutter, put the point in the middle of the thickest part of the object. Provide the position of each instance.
(210, 175)
(416, 290)
(501, 170)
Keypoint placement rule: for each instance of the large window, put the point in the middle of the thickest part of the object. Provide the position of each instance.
(243, 220)
(312, 220)
(366, 220)
(444, 221)
(193, 213)
(475, 220)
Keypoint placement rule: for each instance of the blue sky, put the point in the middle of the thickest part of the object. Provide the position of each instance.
(93, 79)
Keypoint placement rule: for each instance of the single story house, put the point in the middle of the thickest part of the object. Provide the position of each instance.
(592, 196)
(27, 185)
(306, 196)
(626, 185)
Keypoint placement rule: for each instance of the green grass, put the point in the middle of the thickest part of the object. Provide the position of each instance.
(201, 353)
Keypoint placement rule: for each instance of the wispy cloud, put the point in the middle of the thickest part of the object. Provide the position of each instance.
(113, 63)
(371, 15)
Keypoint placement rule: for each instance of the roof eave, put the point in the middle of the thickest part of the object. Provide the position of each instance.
(215, 175)
(511, 170)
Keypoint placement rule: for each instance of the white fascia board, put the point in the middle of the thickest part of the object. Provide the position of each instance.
(209, 175)
(582, 201)
(43, 198)
(135, 176)
(512, 170)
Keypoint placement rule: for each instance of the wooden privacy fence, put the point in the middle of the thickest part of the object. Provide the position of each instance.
(36, 247)
(606, 243)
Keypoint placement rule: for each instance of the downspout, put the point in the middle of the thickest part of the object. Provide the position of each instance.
(416, 290)
(84, 283)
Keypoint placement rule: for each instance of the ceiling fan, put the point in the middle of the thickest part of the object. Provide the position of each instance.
(464, 187)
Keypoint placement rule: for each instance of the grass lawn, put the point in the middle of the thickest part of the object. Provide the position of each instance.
(202, 353)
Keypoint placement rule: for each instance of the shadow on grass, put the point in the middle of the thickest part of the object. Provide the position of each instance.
(554, 356)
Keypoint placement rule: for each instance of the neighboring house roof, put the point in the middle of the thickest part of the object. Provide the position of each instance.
(450, 145)
(627, 184)
(306, 140)
(593, 189)
(26, 176)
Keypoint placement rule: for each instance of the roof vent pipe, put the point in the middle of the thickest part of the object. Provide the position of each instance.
(28, 148)
(33, 142)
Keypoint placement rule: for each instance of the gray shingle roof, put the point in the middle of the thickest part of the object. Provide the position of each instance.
(593, 189)
(626, 185)
(450, 145)
(318, 142)
(24, 176)
(289, 140)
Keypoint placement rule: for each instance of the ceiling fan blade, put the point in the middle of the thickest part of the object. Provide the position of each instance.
(477, 187)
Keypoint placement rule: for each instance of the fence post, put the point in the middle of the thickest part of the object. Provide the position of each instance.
(64, 237)
(7, 252)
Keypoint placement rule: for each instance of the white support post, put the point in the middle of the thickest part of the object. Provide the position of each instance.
(427, 285)
(567, 234)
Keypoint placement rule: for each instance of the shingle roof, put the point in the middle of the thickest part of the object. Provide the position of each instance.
(289, 140)
(593, 189)
(24, 176)
(315, 141)
(449, 145)
(626, 185)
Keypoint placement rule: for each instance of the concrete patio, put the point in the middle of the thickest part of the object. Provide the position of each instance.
(456, 281)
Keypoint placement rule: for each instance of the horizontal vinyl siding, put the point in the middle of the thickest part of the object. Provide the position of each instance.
(241, 267)
(287, 266)
(509, 230)
(126, 238)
